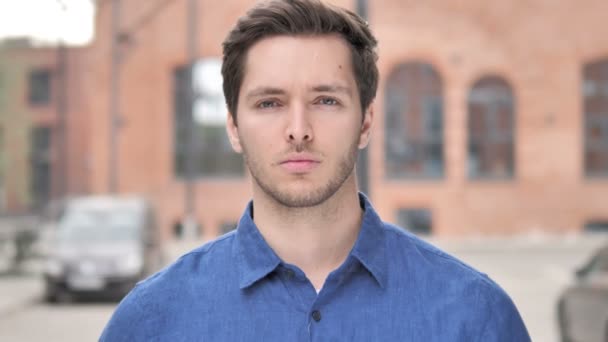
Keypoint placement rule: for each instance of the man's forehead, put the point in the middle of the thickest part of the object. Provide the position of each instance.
(318, 63)
(332, 38)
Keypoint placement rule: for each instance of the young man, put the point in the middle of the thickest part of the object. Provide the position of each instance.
(310, 259)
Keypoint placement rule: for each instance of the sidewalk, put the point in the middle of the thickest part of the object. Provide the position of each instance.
(18, 290)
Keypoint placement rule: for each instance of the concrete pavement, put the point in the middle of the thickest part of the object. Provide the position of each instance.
(18, 291)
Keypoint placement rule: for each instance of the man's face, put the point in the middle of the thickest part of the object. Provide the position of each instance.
(299, 118)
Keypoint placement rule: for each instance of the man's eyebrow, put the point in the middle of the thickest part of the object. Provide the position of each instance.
(332, 88)
(321, 88)
(262, 91)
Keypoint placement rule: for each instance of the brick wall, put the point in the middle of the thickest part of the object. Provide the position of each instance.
(538, 47)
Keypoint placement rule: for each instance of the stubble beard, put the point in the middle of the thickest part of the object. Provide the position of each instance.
(311, 198)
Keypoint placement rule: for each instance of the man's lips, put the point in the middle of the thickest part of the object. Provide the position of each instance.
(299, 165)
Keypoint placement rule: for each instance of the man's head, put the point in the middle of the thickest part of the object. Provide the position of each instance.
(300, 76)
(299, 18)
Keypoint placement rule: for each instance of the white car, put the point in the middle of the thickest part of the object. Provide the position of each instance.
(102, 245)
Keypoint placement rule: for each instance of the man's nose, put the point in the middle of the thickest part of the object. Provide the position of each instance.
(299, 129)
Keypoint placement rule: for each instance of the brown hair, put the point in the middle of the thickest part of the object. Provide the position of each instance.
(299, 17)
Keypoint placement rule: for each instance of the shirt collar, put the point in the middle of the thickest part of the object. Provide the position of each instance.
(257, 259)
(370, 247)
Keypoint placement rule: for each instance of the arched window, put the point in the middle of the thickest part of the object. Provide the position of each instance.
(491, 122)
(595, 92)
(414, 122)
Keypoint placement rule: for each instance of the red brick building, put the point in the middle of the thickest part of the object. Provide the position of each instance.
(492, 117)
(43, 123)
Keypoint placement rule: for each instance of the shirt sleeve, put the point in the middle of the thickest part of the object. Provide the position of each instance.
(127, 322)
(503, 322)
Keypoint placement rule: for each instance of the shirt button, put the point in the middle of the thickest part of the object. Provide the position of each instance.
(316, 315)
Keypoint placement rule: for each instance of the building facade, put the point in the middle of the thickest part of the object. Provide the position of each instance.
(491, 118)
(43, 125)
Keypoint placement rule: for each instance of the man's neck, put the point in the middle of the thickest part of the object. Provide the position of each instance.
(316, 239)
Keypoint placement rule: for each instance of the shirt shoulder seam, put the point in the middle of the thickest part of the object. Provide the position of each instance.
(201, 251)
(439, 253)
(207, 247)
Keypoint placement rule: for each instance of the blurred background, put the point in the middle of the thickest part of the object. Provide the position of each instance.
(491, 141)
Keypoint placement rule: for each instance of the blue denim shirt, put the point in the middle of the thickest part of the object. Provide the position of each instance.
(392, 287)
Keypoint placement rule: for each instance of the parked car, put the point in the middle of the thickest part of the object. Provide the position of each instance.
(583, 307)
(102, 246)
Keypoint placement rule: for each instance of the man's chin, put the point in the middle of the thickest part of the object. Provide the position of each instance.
(305, 192)
(298, 199)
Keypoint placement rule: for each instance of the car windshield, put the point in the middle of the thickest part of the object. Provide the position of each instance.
(105, 225)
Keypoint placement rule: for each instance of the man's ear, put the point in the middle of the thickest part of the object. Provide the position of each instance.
(233, 134)
(366, 127)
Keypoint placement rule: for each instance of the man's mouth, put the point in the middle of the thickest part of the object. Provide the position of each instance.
(299, 164)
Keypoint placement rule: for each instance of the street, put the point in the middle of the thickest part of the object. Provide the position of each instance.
(533, 270)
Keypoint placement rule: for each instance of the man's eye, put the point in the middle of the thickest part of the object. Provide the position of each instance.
(328, 101)
(267, 104)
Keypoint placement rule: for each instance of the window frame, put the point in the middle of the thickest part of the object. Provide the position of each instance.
(38, 95)
(181, 122)
(421, 147)
(496, 137)
(589, 92)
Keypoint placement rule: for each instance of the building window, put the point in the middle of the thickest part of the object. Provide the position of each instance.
(491, 129)
(211, 154)
(39, 87)
(414, 122)
(595, 93)
(417, 221)
(40, 166)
